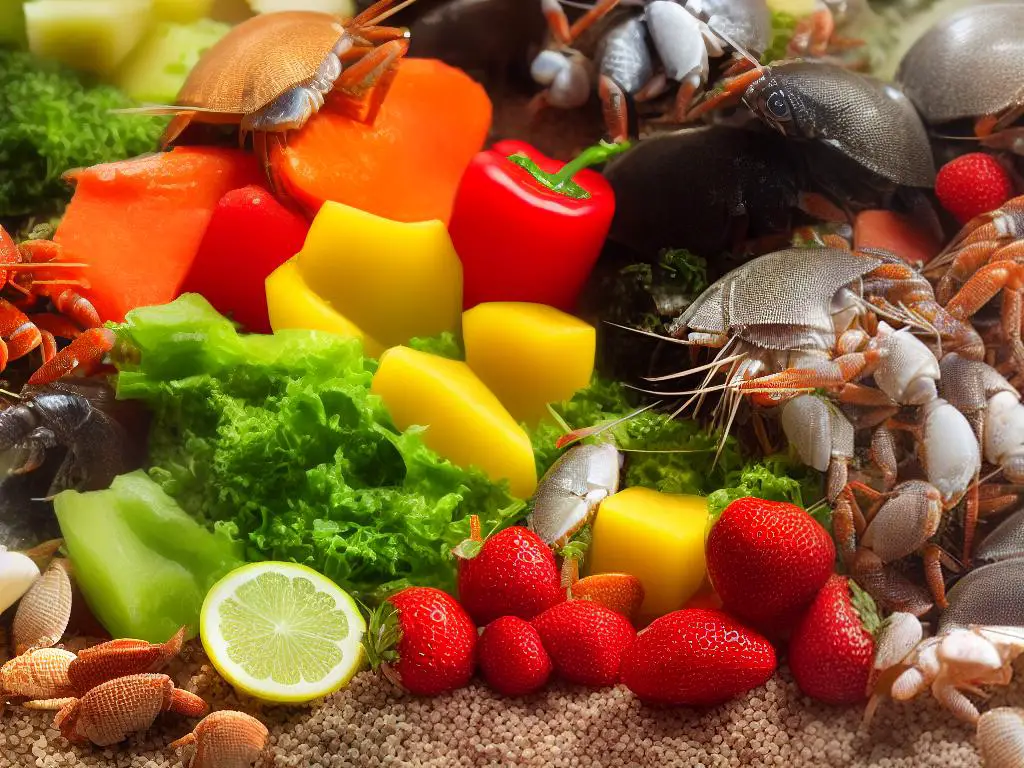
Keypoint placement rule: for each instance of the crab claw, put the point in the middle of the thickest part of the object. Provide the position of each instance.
(85, 355)
(1001, 737)
(111, 711)
(225, 739)
(120, 658)
(45, 610)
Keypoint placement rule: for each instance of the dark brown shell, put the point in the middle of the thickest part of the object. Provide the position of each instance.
(260, 59)
(970, 64)
(867, 120)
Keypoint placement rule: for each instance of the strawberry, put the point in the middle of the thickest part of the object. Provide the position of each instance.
(767, 560)
(421, 639)
(513, 573)
(512, 658)
(971, 185)
(585, 641)
(832, 649)
(696, 657)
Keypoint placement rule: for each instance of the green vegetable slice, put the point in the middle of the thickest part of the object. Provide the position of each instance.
(143, 565)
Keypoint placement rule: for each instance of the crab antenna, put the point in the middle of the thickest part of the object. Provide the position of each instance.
(660, 337)
(716, 363)
(384, 14)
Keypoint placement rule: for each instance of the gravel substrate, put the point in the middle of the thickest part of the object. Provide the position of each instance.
(369, 724)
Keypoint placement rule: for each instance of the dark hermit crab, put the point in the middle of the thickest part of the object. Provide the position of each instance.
(970, 67)
(272, 73)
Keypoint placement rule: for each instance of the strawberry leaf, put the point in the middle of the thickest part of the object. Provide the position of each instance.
(383, 634)
(865, 608)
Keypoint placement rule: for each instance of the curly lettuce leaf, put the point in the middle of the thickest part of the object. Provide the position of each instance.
(775, 478)
(278, 442)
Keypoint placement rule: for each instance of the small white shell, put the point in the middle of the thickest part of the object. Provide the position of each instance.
(17, 574)
(1001, 737)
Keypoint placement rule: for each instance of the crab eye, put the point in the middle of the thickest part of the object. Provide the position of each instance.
(777, 105)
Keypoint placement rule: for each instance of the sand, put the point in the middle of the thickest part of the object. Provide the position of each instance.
(370, 724)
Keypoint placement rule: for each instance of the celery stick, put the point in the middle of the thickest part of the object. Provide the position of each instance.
(143, 565)
(89, 35)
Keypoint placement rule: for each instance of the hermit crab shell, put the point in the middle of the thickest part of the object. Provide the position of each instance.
(260, 59)
(968, 65)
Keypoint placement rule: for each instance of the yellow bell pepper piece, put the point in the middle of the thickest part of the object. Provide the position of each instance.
(657, 537)
(528, 354)
(393, 280)
(292, 304)
(466, 423)
(797, 8)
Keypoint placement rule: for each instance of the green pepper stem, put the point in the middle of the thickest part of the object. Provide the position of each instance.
(562, 181)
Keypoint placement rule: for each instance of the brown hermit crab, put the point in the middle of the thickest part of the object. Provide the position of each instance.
(272, 73)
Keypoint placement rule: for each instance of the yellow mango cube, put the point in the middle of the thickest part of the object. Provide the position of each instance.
(657, 537)
(395, 281)
(528, 354)
(465, 422)
(293, 304)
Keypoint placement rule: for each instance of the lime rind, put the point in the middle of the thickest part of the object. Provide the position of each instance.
(282, 632)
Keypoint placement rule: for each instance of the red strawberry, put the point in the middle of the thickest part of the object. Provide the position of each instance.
(696, 657)
(513, 573)
(767, 560)
(585, 641)
(833, 647)
(512, 658)
(971, 185)
(422, 640)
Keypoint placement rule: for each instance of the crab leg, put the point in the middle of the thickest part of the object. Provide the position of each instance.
(812, 33)
(84, 354)
(727, 93)
(558, 22)
(614, 108)
(988, 282)
(832, 373)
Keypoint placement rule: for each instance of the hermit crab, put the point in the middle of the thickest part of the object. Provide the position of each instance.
(270, 74)
(968, 67)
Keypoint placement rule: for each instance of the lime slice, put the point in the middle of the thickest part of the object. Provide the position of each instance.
(282, 632)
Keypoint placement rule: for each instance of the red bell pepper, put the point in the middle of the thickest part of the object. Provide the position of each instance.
(249, 236)
(528, 228)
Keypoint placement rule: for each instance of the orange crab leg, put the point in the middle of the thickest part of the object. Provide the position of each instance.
(831, 373)
(57, 325)
(726, 93)
(19, 333)
(370, 79)
(812, 33)
(74, 305)
(933, 557)
(85, 355)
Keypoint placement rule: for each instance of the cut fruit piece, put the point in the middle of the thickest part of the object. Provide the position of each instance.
(395, 280)
(142, 563)
(138, 223)
(465, 422)
(407, 165)
(529, 354)
(157, 68)
(282, 632)
(657, 537)
(293, 304)
(88, 35)
(343, 8)
(182, 11)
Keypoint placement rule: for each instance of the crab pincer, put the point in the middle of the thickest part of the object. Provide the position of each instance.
(225, 739)
(112, 711)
